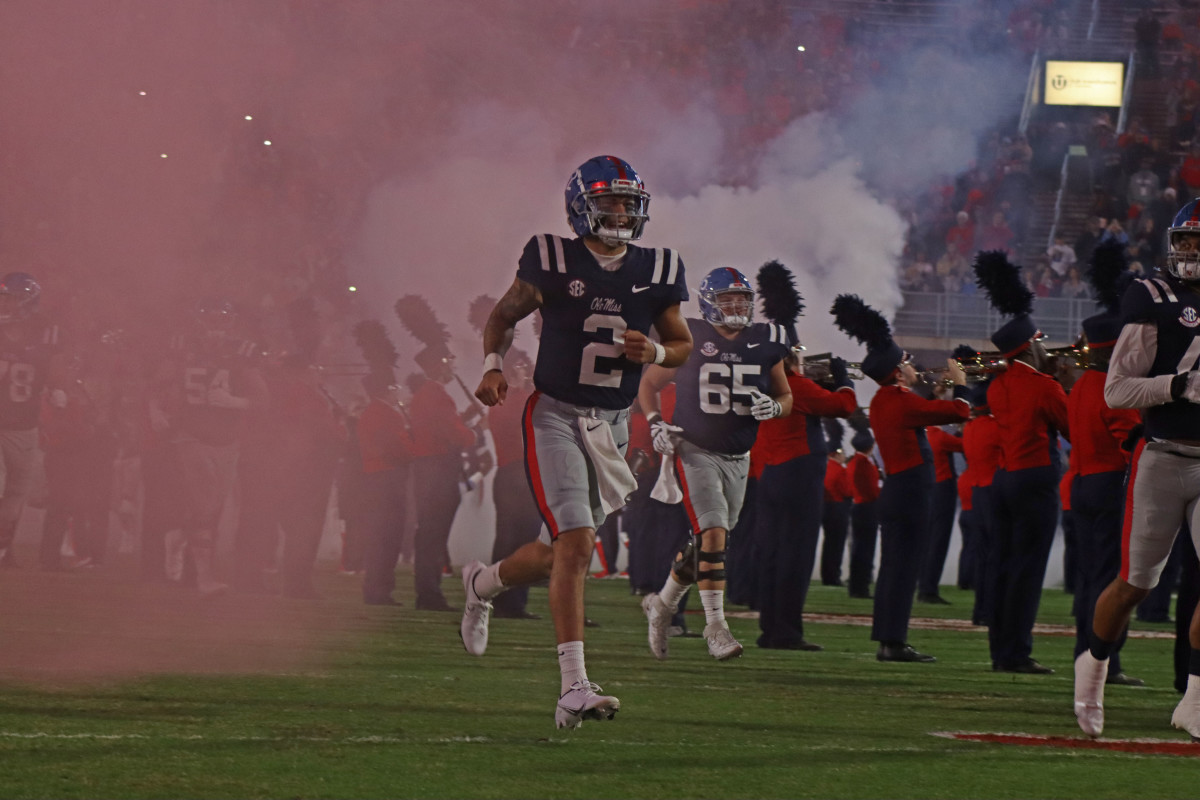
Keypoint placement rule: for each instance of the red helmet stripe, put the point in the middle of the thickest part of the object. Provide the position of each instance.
(1195, 212)
(619, 165)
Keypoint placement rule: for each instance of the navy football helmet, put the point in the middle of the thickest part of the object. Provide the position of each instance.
(216, 315)
(607, 199)
(726, 298)
(24, 292)
(1185, 263)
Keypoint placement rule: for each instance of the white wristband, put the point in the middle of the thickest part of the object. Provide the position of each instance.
(660, 353)
(493, 361)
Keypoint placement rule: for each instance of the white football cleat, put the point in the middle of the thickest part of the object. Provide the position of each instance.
(584, 701)
(658, 617)
(1187, 713)
(1090, 675)
(476, 611)
(721, 644)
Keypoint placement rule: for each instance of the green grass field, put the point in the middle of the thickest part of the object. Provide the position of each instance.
(111, 689)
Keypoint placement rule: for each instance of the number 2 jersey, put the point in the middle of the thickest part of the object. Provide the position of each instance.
(24, 361)
(712, 389)
(586, 311)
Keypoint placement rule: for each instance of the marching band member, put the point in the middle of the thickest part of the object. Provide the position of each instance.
(1028, 404)
(898, 419)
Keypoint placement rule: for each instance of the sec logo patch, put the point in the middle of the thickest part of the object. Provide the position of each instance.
(576, 288)
(1189, 318)
(709, 349)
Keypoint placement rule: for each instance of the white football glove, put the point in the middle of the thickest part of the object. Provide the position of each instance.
(764, 407)
(663, 433)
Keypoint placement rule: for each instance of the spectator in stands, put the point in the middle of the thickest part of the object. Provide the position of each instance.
(996, 235)
(1061, 256)
(1144, 186)
(1073, 287)
(1146, 243)
(952, 262)
(1114, 232)
(961, 237)
(1189, 170)
(1162, 210)
(1047, 284)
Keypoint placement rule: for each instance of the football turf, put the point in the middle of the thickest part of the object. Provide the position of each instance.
(113, 689)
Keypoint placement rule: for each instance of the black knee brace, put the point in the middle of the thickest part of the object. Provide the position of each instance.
(685, 564)
(715, 557)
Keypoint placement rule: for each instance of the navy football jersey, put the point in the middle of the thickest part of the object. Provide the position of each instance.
(202, 365)
(586, 311)
(24, 359)
(712, 389)
(1174, 309)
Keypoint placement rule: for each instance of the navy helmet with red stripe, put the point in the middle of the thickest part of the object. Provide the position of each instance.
(595, 194)
(733, 312)
(21, 293)
(1184, 264)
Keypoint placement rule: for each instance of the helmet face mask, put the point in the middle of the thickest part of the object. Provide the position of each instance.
(216, 317)
(605, 198)
(1183, 243)
(19, 294)
(726, 299)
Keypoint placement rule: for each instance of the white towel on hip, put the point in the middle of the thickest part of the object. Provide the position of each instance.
(613, 479)
(666, 488)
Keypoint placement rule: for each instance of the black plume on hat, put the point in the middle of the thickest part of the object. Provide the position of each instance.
(377, 348)
(781, 303)
(418, 318)
(479, 311)
(964, 352)
(834, 432)
(859, 321)
(1109, 274)
(1008, 294)
(1001, 281)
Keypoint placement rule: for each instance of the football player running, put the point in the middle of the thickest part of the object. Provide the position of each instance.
(30, 361)
(599, 295)
(1155, 366)
(733, 380)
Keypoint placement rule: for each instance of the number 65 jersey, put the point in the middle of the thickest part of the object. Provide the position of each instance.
(586, 311)
(712, 389)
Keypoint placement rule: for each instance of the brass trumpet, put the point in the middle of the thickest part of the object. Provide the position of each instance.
(816, 367)
(978, 368)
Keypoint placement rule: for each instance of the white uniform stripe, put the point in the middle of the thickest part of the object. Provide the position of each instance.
(543, 252)
(1188, 362)
(558, 254)
(1166, 289)
(658, 265)
(1155, 295)
(674, 268)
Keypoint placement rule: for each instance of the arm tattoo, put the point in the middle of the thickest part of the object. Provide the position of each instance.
(521, 300)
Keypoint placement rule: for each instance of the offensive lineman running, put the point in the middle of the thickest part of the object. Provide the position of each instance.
(733, 380)
(599, 295)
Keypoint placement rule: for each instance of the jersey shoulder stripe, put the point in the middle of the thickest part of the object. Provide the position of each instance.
(666, 266)
(550, 249)
(1165, 288)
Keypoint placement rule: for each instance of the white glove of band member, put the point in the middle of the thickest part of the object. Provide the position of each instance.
(663, 433)
(764, 407)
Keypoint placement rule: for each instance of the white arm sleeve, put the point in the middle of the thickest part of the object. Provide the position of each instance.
(1127, 385)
